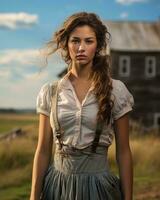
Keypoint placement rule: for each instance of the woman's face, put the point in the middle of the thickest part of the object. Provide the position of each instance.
(82, 45)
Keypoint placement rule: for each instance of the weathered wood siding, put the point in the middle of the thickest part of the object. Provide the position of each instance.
(146, 91)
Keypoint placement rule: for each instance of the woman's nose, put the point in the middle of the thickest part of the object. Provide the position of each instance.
(81, 47)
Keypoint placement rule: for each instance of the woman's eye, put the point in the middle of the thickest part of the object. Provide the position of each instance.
(75, 41)
(89, 41)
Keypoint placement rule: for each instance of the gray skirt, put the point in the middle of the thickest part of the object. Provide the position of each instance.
(80, 175)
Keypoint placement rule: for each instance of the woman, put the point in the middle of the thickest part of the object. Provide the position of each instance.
(90, 104)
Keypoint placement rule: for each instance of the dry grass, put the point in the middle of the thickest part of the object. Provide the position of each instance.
(20, 117)
(145, 152)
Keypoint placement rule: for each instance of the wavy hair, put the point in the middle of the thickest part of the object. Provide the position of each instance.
(101, 73)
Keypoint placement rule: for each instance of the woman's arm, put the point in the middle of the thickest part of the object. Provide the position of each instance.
(124, 156)
(42, 156)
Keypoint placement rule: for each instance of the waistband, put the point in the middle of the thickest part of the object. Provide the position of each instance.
(72, 160)
(70, 150)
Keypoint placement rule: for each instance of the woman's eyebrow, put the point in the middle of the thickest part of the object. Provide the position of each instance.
(85, 38)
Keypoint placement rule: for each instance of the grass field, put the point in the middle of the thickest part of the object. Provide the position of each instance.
(16, 158)
(11, 121)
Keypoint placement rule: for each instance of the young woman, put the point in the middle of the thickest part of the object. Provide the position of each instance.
(90, 105)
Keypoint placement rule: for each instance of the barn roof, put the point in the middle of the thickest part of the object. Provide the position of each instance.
(134, 36)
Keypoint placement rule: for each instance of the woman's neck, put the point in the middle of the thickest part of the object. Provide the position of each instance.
(81, 72)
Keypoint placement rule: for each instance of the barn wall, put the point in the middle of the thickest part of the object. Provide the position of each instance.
(146, 91)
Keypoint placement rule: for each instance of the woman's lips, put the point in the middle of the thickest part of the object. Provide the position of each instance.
(81, 56)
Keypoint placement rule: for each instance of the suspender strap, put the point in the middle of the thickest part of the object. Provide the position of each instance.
(98, 132)
(58, 131)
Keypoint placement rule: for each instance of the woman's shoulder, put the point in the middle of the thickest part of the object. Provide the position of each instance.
(45, 89)
(44, 98)
(118, 85)
(123, 99)
(121, 92)
(48, 86)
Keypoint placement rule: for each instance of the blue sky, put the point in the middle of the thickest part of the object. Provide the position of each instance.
(25, 26)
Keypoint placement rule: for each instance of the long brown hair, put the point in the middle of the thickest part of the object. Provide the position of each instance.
(100, 74)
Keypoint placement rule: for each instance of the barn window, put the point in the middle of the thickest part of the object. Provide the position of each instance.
(150, 66)
(124, 66)
(157, 120)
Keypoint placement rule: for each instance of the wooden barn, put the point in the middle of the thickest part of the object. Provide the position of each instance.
(135, 52)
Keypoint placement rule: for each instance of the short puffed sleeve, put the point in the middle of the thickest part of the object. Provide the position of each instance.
(122, 98)
(43, 103)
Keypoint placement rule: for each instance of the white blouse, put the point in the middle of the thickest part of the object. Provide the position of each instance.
(77, 120)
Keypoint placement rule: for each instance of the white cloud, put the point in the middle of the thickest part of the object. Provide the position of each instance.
(36, 75)
(5, 73)
(17, 20)
(23, 57)
(124, 15)
(128, 2)
(21, 76)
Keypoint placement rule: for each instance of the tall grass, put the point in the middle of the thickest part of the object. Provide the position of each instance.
(16, 157)
(145, 153)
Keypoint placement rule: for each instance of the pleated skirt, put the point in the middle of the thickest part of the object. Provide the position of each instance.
(80, 175)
